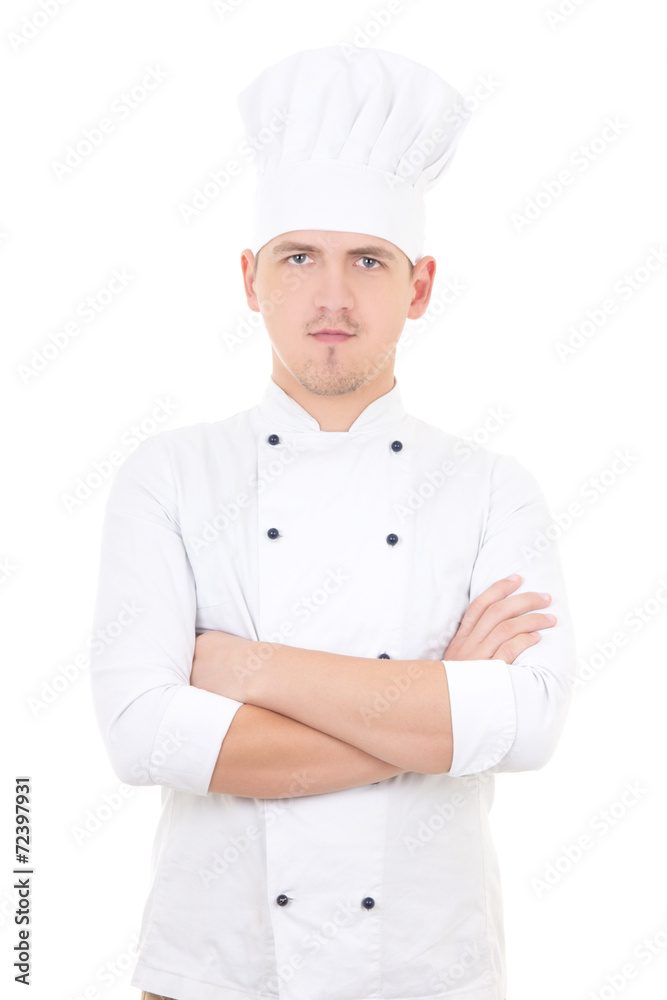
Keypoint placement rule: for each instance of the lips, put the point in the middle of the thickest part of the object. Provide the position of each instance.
(331, 335)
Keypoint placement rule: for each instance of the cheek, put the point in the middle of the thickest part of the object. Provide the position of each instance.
(282, 319)
(392, 307)
(292, 281)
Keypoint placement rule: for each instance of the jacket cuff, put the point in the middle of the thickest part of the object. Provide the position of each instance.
(483, 713)
(189, 738)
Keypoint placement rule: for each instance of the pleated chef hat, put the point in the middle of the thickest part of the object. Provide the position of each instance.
(350, 140)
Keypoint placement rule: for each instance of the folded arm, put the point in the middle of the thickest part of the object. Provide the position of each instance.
(394, 710)
(267, 755)
(498, 699)
(157, 727)
(384, 716)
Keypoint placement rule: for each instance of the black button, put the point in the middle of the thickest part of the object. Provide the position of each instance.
(273, 532)
(392, 539)
(384, 656)
(274, 439)
(282, 899)
(368, 902)
(396, 445)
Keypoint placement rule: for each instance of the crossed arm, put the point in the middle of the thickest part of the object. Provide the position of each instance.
(305, 721)
(314, 721)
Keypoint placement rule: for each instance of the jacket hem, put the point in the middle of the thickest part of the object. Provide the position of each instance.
(184, 988)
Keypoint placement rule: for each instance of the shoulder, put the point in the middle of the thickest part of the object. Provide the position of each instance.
(471, 457)
(160, 463)
(177, 446)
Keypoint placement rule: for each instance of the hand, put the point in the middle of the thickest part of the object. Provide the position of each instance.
(223, 664)
(496, 627)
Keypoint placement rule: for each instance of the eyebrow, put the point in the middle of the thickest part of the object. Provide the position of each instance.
(371, 250)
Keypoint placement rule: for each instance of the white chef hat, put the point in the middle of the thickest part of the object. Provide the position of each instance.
(349, 139)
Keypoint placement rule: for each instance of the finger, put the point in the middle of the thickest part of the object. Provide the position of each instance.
(507, 630)
(508, 608)
(477, 607)
(509, 650)
(515, 626)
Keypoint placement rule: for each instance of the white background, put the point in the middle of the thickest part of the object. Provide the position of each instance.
(542, 90)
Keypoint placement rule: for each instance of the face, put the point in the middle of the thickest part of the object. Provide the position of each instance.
(307, 281)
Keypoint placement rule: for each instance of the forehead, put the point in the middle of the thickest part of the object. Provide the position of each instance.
(331, 242)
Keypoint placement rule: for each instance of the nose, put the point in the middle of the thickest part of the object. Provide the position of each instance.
(333, 288)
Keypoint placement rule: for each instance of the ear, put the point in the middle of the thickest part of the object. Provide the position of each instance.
(422, 286)
(248, 265)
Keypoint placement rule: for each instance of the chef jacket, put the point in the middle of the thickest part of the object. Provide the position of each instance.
(368, 542)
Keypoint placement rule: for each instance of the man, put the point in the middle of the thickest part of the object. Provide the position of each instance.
(333, 653)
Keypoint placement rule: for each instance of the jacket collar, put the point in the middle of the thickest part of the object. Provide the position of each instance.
(277, 408)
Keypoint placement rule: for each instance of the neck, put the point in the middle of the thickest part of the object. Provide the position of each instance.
(335, 413)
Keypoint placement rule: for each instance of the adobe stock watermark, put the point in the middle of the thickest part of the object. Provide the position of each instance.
(109, 973)
(591, 490)
(485, 87)
(312, 942)
(444, 812)
(624, 289)
(7, 569)
(244, 329)
(471, 954)
(170, 743)
(247, 325)
(33, 24)
(465, 446)
(237, 847)
(220, 179)
(383, 700)
(103, 469)
(7, 907)
(427, 148)
(562, 12)
(309, 605)
(440, 303)
(579, 162)
(88, 309)
(94, 137)
(227, 513)
(224, 7)
(94, 819)
(68, 673)
(635, 620)
(643, 954)
(369, 31)
(599, 825)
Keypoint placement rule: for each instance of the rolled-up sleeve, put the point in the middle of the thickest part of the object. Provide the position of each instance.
(156, 727)
(509, 717)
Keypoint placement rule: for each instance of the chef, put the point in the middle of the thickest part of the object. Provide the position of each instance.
(341, 627)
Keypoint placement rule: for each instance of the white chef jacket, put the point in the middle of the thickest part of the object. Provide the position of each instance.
(385, 533)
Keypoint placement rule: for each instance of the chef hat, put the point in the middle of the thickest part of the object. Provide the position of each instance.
(349, 139)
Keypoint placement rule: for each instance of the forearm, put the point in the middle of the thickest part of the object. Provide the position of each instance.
(395, 710)
(268, 755)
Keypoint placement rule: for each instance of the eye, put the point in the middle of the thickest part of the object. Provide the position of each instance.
(374, 261)
(296, 255)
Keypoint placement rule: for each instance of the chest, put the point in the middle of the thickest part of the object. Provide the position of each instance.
(360, 545)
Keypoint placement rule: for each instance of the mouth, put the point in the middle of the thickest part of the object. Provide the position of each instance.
(329, 335)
